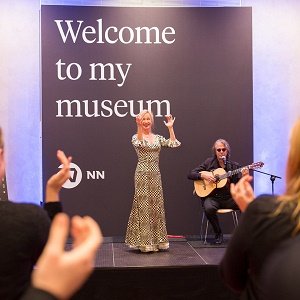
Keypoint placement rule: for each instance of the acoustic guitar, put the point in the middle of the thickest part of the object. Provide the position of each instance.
(203, 187)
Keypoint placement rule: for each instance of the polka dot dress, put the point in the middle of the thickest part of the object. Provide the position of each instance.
(146, 228)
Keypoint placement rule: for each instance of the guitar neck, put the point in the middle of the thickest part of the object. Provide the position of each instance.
(233, 172)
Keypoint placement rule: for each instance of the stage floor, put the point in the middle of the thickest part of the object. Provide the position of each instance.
(182, 252)
(188, 270)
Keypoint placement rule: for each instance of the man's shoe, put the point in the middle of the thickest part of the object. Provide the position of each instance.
(218, 238)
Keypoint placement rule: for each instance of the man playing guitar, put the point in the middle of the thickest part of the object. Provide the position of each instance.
(216, 197)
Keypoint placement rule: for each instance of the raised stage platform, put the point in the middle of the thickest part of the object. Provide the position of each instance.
(188, 270)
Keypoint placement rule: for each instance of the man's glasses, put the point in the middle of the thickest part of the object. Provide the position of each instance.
(221, 149)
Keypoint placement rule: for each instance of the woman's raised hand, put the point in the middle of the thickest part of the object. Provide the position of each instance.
(138, 120)
(170, 121)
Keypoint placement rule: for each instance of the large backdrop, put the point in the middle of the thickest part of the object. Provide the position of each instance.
(102, 65)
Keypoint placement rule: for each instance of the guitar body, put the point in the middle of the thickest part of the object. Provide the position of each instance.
(203, 187)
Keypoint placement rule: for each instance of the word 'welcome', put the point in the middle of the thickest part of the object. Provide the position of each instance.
(74, 30)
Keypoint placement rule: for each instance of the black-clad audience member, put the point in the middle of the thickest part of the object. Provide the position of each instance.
(281, 272)
(219, 198)
(24, 231)
(267, 221)
(59, 273)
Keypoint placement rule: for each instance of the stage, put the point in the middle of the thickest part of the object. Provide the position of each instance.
(188, 270)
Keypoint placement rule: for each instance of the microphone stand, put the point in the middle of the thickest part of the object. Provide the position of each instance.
(272, 178)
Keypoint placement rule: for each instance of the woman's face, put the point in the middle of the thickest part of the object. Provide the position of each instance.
(146, 122)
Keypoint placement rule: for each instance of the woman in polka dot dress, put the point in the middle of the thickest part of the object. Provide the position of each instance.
(146, 228)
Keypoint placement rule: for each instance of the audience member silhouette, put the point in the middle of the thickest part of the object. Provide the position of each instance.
(267, 221)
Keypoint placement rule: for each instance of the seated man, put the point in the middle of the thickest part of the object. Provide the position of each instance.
(218, 198)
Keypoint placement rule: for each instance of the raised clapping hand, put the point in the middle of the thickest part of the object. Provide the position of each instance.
(138, 120)
(55, 182)
(242, 192)
(170, 121)
(60, 272)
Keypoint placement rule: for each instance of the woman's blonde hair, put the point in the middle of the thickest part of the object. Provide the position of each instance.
(1, 139)
(291, 196)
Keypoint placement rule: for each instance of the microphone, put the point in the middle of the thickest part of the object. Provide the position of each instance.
(224, 159)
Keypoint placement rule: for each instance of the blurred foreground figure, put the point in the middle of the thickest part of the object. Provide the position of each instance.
(59, 273)
(267, 221)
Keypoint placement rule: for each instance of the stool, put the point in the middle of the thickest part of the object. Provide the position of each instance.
(219, 211)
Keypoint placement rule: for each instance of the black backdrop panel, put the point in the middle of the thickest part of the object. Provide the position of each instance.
(196, 63)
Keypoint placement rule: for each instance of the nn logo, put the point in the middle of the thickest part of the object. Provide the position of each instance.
(75, 177)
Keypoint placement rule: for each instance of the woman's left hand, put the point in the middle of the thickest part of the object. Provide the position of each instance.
(170, 121)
